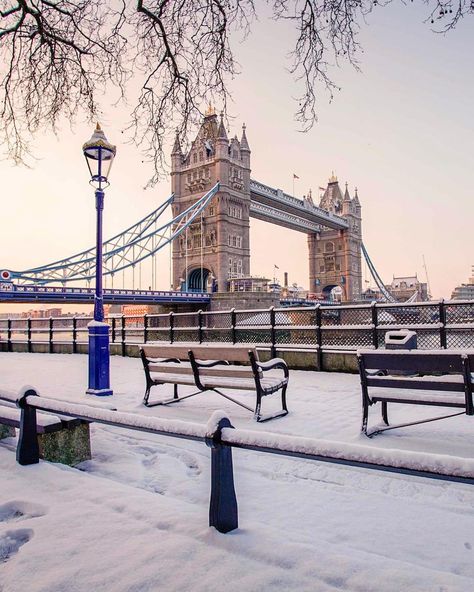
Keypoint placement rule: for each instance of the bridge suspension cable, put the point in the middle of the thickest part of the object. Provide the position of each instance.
(127, 249)
(378, 280)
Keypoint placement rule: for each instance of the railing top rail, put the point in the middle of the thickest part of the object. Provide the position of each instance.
(356, 455)
(407, 304)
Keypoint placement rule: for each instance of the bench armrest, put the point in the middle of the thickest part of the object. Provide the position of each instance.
(272, 364)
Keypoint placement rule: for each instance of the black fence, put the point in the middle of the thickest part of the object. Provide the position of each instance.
(439, 325)
(221, 437)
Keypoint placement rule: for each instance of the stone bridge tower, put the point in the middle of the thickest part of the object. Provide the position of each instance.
(216, 247)
(335, 255)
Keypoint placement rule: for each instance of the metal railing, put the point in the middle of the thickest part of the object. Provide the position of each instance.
(221, 436)
(439, 325)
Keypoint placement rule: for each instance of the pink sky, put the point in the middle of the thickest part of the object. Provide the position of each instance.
(401, 131)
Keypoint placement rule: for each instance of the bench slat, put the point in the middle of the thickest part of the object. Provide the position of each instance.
(415, 383)
(185, 368)
(420, 362)
(229, 353)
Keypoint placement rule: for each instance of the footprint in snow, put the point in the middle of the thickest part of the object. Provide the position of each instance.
(18, 510)
(12, 540)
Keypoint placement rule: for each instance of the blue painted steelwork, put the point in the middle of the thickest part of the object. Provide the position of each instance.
(142, 240)
(12, 293)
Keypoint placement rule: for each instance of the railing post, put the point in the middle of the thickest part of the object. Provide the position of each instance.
(199, 326)
(145, 328)
(28, 333)
(319, 337)
(74, 335)
(114, 330)
(50, 338)
(442, 325)
(171, 326)
(375, 339)
(272, 332)
(27, 452)
(9, 335)
(233, 321)
(223, 510)
(122, 332)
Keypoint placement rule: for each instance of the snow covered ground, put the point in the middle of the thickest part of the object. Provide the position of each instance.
(134, 518)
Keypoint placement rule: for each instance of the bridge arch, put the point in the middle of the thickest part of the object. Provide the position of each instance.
(333, 292)
(199, 280)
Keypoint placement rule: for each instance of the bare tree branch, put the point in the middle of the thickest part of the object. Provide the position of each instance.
(58, 57)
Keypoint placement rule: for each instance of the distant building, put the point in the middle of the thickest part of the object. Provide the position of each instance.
(465, 291)
(248, 284)
(137, 309)
(403, 288)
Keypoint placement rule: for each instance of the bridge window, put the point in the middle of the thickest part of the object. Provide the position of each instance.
(194, 158)
(339, 246)
(330, 266)
(201, 157)
(189, 177)
(329, 247)
(321, 268)
(338, 267)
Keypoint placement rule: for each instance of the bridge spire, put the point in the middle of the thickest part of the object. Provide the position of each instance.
(347, 197)
(244, 145)
(221, 133)
(176, 145)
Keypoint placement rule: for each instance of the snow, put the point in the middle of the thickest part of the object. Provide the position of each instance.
(134, 518)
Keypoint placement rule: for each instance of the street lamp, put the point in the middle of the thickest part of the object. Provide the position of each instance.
(99, 154)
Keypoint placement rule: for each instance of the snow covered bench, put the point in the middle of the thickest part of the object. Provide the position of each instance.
(211, 368)
(445, 372)
(61, 439)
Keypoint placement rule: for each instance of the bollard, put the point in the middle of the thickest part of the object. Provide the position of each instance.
(223, 511)
(27, 451)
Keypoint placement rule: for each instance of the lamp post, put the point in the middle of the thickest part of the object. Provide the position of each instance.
(99, 154)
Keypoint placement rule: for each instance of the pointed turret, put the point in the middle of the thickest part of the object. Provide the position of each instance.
(221, 133)
(332, 199)
(347, 197)
(346, 203)
(176, 154)
(244, 145)
(356, 198)
(176, 145)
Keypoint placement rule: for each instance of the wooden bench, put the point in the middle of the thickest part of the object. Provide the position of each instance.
(446, 372)
(212, 368)
(61, 439)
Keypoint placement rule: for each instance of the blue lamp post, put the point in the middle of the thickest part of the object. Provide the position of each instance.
(99, 154)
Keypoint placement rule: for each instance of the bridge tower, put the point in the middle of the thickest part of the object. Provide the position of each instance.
(335, 255)
(217, 246)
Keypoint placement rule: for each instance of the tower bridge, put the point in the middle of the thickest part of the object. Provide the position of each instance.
(213, 198)
(217, 246)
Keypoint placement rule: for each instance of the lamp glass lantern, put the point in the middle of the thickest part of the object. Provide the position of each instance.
(99, 154)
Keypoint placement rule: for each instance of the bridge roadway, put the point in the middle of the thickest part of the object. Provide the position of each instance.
(54, 295)
(51, 294)
(275, 206)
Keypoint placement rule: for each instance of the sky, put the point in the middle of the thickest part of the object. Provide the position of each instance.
(400, 130)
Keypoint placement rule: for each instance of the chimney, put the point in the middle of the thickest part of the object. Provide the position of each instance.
(285, 282)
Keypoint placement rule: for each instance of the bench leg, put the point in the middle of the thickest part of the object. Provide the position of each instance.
(258, 406)
(385, 412)
(283, 398)
(365, 415)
